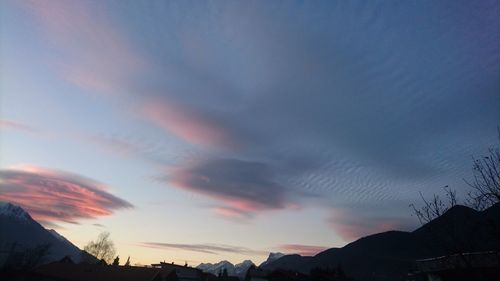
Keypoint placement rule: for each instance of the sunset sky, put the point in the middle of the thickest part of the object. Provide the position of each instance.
(200, 131)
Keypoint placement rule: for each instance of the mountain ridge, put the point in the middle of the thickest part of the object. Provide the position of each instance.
(389, 255)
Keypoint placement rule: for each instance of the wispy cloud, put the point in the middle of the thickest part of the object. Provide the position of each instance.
(204, 248)
(11, 124)
(98, 55)
(187, 124)
(303, 250)
(351, 224)
(57, 196)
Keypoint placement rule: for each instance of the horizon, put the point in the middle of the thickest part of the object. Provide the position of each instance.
(206, 131)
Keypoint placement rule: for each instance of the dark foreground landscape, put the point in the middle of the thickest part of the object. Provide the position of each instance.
(31, 252)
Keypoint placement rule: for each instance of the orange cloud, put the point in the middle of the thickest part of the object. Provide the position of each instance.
(51, 195)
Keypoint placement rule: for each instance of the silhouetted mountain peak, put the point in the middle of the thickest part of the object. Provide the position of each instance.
(459, 210)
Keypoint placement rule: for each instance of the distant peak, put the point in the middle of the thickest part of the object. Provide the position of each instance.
(272, 257)
(246, 262)
(13, 211)
(276, 255)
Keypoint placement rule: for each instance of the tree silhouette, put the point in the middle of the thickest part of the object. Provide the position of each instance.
(127, 263)
(484, 194)
(102, 248)
(486, 180)
(116, 261)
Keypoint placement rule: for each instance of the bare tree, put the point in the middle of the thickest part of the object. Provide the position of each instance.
(434, 208)
(486, 181)
(102, 248)
(36, 255)
(457, 237)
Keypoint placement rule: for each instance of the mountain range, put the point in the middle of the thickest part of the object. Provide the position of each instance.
(239, 270)
(390, 255)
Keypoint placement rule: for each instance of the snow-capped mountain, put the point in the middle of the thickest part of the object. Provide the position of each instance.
(18, 229)
(272, 257)
(239, 270)
(216, 268)
(14, 212)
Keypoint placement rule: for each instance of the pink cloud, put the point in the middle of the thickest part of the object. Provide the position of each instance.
(351, 226)
(231, 213)
(10, 124)
(97, 55)
(303, 250)
(51, 195)
(187, 124)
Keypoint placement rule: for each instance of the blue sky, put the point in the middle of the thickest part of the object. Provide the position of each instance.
(200, 131)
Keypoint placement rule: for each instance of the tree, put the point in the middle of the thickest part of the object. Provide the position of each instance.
(102, 248)
(486, 180)
(36, 255)
(116, 261)
(127, 263)
(484, 194)
(434, 208)
(27, 258)
(459, 237)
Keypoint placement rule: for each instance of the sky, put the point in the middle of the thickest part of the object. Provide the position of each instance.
(200, 131)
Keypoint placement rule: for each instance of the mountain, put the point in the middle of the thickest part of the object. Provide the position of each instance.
(239, 270)
(19, 232)
(217, 268)
(390, 255)
(272, 257)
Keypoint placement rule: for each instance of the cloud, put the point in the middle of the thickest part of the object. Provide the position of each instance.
(303, 250)
(97, 55)
(351, 223)
(243, 187)
(324, 103)
(56, 196)
(11, 124)
(232, 213)
(187, 124)
(204, 248)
